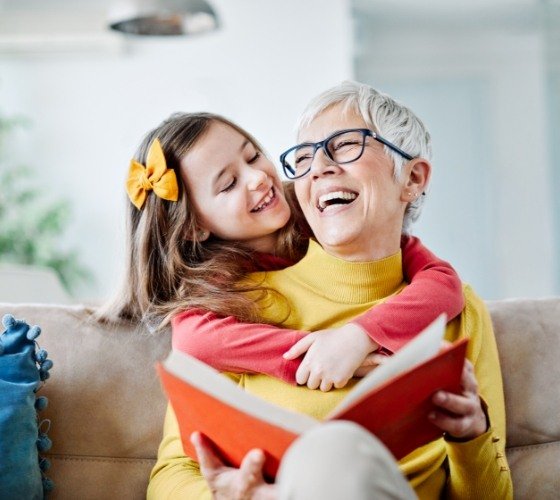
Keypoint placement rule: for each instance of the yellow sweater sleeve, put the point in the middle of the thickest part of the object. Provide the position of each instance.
(175, 476)
(478, 468)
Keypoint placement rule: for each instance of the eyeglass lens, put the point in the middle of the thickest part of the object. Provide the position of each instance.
(342, 148)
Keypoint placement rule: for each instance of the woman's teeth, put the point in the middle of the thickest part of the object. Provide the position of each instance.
(335, 198)
(266, 201)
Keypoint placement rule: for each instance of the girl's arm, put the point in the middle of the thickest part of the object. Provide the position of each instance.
(434, 289)
(228, 345)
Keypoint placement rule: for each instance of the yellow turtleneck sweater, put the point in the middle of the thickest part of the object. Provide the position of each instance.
(322, 291)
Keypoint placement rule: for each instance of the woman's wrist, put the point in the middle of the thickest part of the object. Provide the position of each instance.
(265, 492)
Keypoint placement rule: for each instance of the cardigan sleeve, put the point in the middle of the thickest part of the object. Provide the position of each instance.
(435, 288)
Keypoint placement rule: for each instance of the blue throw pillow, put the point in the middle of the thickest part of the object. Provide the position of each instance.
(22, 372)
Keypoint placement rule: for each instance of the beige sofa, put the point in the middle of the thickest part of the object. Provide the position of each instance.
(107, 407)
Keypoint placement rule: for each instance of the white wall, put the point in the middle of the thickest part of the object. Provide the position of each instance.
(479, 83)
(477, 78)
(90, 109)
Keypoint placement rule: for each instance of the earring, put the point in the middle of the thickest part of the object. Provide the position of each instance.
(202, 235)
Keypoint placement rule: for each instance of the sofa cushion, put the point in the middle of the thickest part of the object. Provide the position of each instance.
(20, 433)
(528, 336)
(105, 402)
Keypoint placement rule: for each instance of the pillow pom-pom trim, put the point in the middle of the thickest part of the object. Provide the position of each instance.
(20, 337)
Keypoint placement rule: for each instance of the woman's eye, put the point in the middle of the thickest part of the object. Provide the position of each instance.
(345, 144)
(230, 186)
(254, 158)
(303, 158)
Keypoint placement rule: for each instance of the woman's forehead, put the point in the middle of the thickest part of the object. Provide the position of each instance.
(331, 120)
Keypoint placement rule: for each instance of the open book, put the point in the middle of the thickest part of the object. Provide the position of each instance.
(392, 401)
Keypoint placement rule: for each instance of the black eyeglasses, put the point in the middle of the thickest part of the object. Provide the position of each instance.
(344, 146)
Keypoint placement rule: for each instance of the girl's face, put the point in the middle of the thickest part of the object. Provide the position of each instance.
(235, 189)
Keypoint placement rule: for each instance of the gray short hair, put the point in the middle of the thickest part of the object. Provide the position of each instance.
(384, 115)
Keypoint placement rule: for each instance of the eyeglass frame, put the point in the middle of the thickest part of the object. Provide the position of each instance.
(366, 132)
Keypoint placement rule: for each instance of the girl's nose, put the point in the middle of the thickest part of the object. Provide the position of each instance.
(257, 180)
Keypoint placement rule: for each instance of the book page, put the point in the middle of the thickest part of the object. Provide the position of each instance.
(211, 382)
(425, 345)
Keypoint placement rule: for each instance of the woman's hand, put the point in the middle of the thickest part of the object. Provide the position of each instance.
(331, 356)
(229, 483)
(462, 416)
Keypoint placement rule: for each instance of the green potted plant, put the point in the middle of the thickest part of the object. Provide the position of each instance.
(30, 227)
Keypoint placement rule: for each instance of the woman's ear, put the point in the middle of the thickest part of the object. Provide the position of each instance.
(416, 176)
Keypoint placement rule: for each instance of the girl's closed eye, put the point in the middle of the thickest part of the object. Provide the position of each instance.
(252, 160)
(230, 186)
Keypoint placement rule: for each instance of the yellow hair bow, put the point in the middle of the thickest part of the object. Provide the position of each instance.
(154, 176)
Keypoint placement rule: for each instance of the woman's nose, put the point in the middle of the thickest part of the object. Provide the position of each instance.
(323, 165)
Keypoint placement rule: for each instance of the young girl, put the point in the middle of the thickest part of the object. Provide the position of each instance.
(207, 209)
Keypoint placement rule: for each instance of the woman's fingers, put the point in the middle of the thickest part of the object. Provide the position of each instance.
(461, 415)
(468, 379)
(454, 403)
(208, 460)
(251, 468)
(456, 427)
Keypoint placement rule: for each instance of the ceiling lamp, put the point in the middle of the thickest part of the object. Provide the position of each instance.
(165, 18)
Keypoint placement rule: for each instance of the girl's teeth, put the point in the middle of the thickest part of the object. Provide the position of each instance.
(265, 202)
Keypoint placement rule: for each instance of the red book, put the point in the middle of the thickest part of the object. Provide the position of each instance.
(393, 402)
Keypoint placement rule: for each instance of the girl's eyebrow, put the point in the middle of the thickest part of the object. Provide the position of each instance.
(223, 170)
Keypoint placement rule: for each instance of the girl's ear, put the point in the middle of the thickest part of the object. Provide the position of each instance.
(416, 176)
(200, 234)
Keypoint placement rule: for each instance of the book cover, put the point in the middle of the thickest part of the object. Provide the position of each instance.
(392, 402)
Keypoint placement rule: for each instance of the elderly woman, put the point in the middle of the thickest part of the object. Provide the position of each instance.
(360, 170)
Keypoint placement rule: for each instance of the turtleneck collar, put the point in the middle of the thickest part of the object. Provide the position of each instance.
(350, 282)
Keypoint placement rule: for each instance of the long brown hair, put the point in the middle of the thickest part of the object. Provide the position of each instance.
(168, 268)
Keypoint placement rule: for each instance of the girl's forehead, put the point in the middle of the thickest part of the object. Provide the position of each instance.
(218, 147)
(219, 140)
(221, 131)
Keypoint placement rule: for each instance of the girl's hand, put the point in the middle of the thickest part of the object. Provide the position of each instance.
(462, 416)
(229, 483)
(369, 364)
(331, 356)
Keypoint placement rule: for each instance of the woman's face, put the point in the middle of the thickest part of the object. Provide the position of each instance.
(235, 189)
(355, 210)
